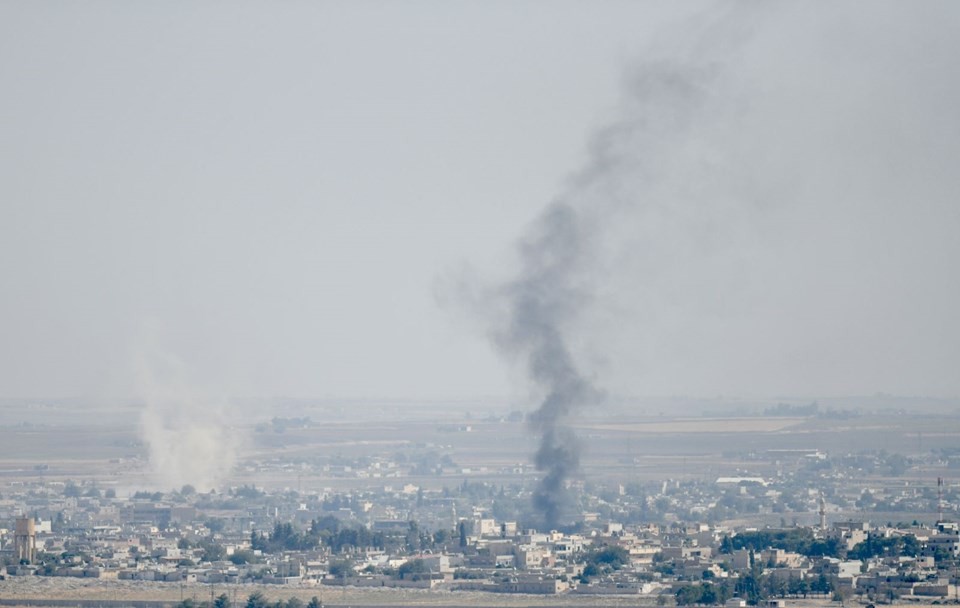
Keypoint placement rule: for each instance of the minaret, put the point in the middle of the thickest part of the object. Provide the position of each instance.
(939, 499)
(823, 513)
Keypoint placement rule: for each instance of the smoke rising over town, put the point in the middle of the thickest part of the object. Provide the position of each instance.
(186, 428)
(692, 206)
(540, 301)
(621, 303)
(558, 260)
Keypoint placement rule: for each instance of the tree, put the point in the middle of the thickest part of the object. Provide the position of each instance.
(327, 523)
(212, 550)
(314, 603)
(441, 537)
(799, 540)
(294, 602)
(603, 561)
(221, 601)
(413, 536)
(775, 586)
(258, 542)
(412, 568)
(726, 545)
(724, 591)
(257, 600)
(688, 594)
(250, 492)
(798, 586)
(215, 524)
(240, 558)
(614, 557)
(285, 537)
(821, 585)
(750, 586)
(707, 594)
(341, 568)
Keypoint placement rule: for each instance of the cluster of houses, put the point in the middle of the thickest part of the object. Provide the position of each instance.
(628, 538)
(179, 540)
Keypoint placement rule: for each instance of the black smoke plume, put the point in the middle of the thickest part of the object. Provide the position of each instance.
(559, 267)
(626, 188)
(541, 301)
(749, 159)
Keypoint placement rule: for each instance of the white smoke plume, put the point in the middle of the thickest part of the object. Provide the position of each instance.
(184, 427)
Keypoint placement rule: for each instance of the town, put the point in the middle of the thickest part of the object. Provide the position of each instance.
(360, 540)
(782, 523)
(327, 304)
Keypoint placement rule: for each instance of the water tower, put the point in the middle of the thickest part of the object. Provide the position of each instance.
(25, 539)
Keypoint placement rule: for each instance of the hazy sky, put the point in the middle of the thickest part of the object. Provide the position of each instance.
(277, 194)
